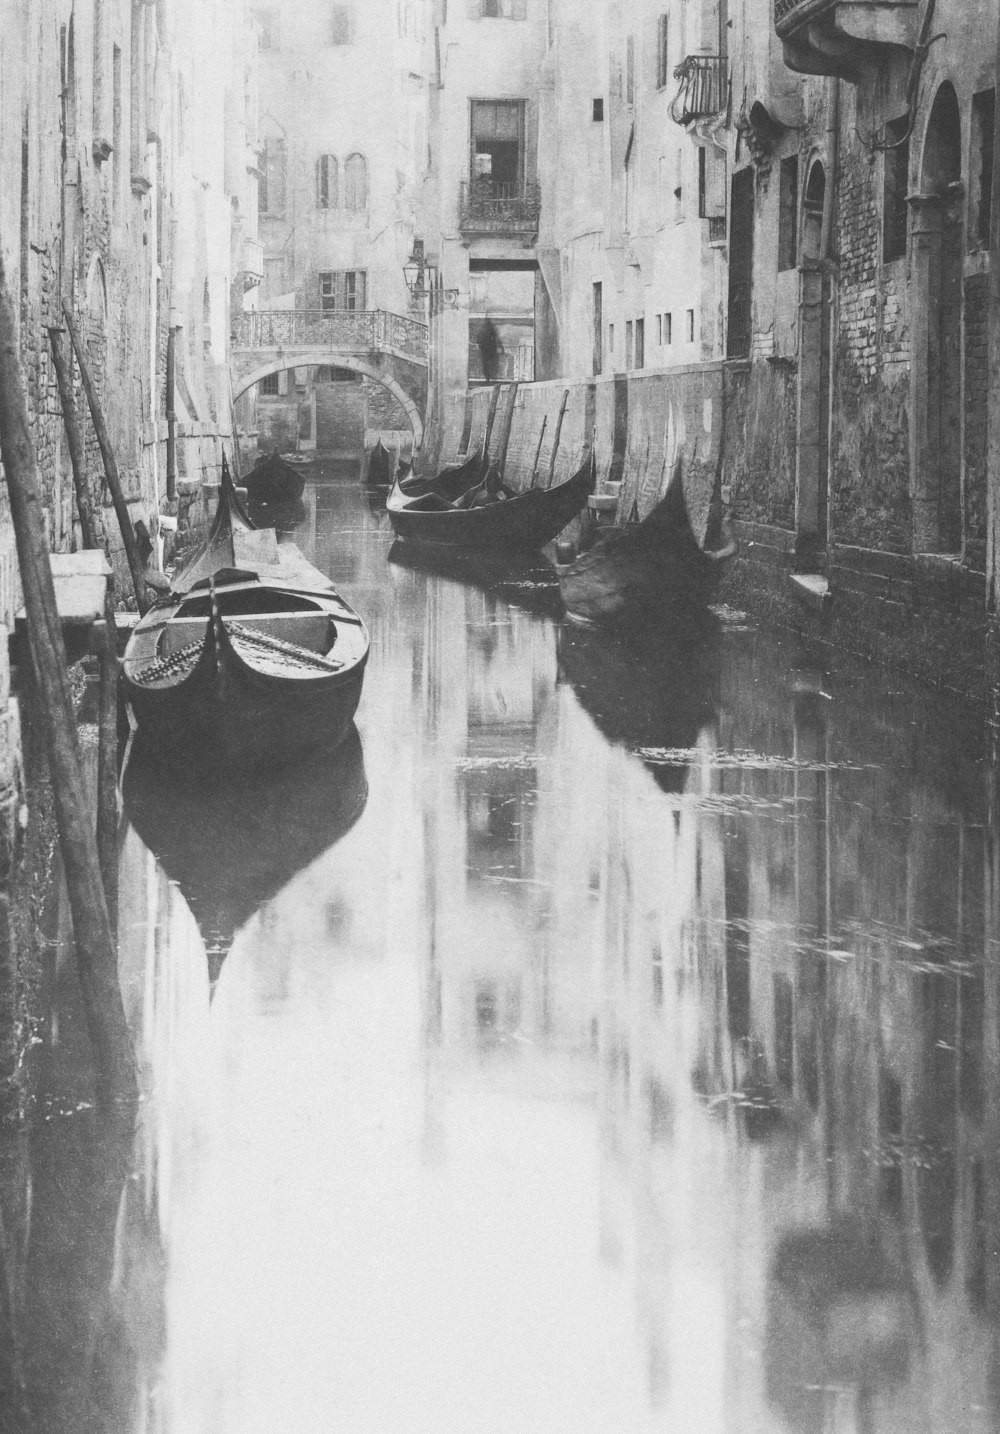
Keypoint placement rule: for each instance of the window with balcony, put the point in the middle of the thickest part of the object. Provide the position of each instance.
(895, 182)
(981, 169)
(662, 51)
(344, 290)
(327, 181)
(498, 197)
(355, 184)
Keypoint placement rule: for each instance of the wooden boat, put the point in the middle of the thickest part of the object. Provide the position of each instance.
(243, 666)
(232, 845)
(483, 517)
(274, 480)
(644, 571)
(378, 474)
(452, 481)
(282, 517)
(651, 695)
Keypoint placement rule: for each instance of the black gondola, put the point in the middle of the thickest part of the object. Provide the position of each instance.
(482, 518)
(273, 480)
(378, 473)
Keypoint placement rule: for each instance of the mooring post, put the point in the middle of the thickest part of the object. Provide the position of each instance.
(494, 400)
(538, 450)
(557, 436)
(74, 440)
(96, 956)
(110, 466)
(508, 423)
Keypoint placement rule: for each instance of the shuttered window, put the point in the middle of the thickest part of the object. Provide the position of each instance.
(343, 289)
(355, 183)
(326, 181)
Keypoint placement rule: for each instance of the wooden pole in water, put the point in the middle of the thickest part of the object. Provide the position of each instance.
(538, 451)
(557, 436)
(110, 466)
(96, 956)
(494, 400)
(107, 647)
(508, 423)
(74, 439)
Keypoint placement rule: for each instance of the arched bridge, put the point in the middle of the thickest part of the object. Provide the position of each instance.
(390, 348)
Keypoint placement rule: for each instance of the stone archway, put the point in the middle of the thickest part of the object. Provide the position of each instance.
(936, 309)
(319, 358)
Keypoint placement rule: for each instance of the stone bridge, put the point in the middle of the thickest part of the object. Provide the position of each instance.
(390, 348)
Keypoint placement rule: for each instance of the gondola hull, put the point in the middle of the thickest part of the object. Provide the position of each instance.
(266, 688)
(526, 520)
(272, 480)
(378, 473)
(450, 482)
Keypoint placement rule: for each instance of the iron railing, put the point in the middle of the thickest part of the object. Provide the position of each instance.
(703, 89)
(353, 330)
(489, 206)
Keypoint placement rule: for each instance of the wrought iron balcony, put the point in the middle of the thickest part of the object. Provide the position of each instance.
(703, 89)
(840, 37)
(490, 206)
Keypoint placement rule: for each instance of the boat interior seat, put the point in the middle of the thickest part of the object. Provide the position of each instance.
(312, 630)
(429, 503)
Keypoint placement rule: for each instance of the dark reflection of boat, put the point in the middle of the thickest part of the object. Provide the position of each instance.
(524, 580)
(646, 571)
(233, 845)
(282, 517)
(652, 696)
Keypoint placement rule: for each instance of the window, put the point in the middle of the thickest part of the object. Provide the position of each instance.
(662, 65)
(640, 343)
(269, 386)
(497, 146)
(340, 24)
(326, 181)
(271, 183)
(611, 338)
(267, 24)
(598, 327)
(630, 70)
(689, 326)
(668, 328)
(659, 330)
(629, 344)
(344, 289)
(981, 169)
(788, 213)
(498, 9)
(679, 186)
(597, 113)
(896, 175)
(355, 183)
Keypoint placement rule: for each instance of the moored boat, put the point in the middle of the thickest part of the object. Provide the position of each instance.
(245, 663)
(451, 481)
(645, 571)
(274, 480)
(378, 473)
(488, 516)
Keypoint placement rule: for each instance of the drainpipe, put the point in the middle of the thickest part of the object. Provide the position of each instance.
(171, 416)
(830, 271)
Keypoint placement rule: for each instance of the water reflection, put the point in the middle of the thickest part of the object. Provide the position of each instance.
(631, 1062)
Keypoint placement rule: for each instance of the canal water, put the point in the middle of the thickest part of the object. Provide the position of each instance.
(606, 1041)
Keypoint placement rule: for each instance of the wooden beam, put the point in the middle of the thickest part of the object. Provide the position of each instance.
(96, 956)
(508, 422)
(110, 466)
(557, 436)
(490, 417)
(74, 439)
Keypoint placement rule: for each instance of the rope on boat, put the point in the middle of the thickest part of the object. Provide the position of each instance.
(179, 663)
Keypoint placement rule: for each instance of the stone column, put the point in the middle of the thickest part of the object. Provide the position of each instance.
(809, 396)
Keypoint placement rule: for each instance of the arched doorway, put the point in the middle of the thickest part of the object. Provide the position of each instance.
(813, 398)
(936, 266)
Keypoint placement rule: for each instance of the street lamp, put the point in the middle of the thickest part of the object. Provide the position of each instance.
(417, 271)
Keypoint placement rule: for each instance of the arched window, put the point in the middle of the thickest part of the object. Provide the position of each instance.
(355, 183)
(326, 181)
(271, 180)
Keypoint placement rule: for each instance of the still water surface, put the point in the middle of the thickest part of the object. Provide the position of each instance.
(604, 1042)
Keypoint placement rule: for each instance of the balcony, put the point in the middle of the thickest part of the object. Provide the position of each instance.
(704, 88)
(843, 37)
(493, 208)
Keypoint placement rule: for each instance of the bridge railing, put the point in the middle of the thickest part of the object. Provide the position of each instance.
(332, 329)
